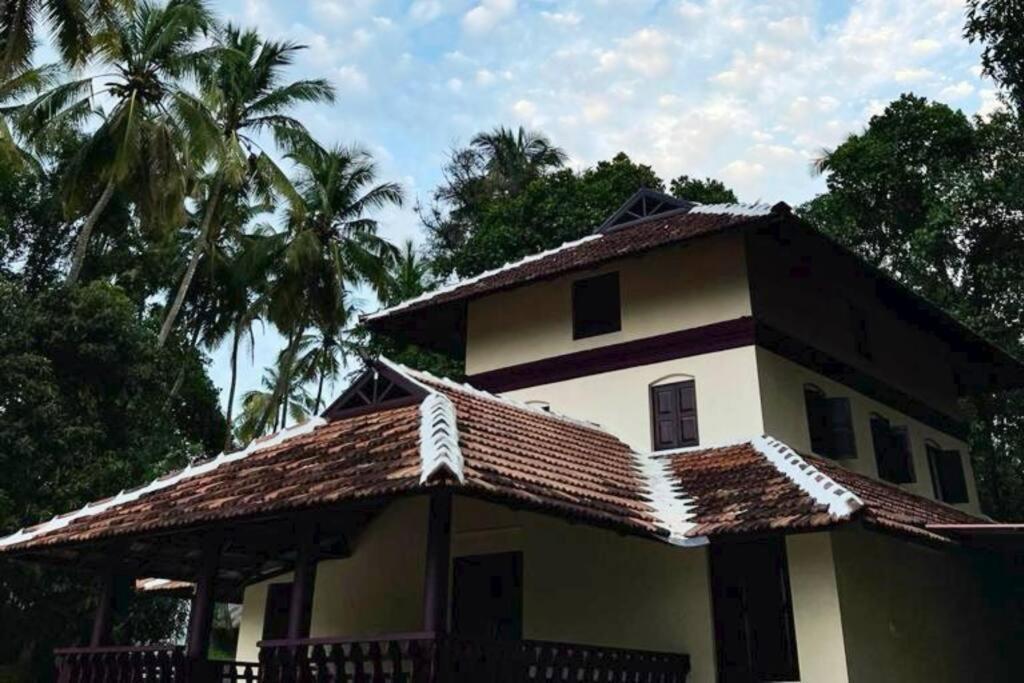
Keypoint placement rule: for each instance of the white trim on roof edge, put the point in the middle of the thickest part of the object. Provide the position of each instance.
(734, 209)
(427, 296)
(439, 438)
(90, 509)
(840, 501)
(672, 507)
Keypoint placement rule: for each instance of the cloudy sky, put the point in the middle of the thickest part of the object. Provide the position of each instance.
(744, 90)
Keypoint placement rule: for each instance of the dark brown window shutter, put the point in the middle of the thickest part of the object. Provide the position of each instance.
(817, 420)
(948, 480)
(674, 415)
(841, 441)
(892, 452)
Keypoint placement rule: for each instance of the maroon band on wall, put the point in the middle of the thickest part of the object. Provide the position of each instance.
(729, 334)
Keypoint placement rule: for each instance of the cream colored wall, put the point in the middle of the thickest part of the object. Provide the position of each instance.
(581, 584)
(821, 652)
(917, 614)
(668, 290)
(728, 399)
(785, 417)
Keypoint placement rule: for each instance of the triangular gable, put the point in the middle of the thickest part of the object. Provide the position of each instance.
(643, 204)
(380, 387)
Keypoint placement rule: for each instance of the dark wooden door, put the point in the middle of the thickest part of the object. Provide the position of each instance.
(487, 596)
(754, 635)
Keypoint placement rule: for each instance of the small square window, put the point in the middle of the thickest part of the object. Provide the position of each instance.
(947, 471)
(596, 308)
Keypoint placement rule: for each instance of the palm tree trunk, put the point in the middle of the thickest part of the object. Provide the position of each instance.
(231, 387)
(193, 263)
(281, 390)
(319, 391)
(82, 243)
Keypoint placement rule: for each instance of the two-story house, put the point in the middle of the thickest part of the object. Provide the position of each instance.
(703, 443)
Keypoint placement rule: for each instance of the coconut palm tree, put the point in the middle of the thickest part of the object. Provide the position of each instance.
(73, 23)
(28, 82)
(512, 158)
(137, 145)
(331, 244)
(241, 96)
(295, 403)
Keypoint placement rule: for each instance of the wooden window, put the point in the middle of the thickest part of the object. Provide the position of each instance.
(596, 307)
(674, 415)
(753, 612)
(487, 596)
(830, 423)
(275, 614)
(859, 331)
(892, 451)
(947, 470)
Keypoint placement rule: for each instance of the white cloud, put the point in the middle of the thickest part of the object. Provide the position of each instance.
(351, 78)
(525, 109)
(911, 74)
(487, 15)
(990, 102)
(562, 18)
(455, 84)
(957, 91)
(423, 11)
(925, 46)
(485, 77)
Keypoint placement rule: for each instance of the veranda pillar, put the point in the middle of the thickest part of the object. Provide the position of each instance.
(439, 550)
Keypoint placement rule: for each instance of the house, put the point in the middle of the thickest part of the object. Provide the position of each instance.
(704, 443)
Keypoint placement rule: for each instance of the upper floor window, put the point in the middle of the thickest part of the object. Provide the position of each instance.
(892, 451)
(947, 470)
(830, 423)
(596, 308)
(674, 415)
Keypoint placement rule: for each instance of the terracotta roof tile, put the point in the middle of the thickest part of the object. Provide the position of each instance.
(588, 252)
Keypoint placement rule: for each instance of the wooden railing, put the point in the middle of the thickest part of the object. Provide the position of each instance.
(427, 658)
(158, 663)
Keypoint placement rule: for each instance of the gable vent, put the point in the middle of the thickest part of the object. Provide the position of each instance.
(643, 204)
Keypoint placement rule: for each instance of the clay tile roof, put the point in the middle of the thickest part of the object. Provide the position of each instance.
(590, 251)
(451, 434)
(746, 487)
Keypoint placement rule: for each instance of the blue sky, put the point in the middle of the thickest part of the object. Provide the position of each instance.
(744, 90)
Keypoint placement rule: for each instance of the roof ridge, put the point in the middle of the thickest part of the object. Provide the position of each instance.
(160, 483)
(673, 511)
(734, 209)
(426, 296)
(840, 501)
(418, 376)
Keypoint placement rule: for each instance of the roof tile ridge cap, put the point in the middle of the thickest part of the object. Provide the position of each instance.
(162, 482)
(439, 428)
(427, 296)
(734, 209)
(480, 393)
(840, 501)
(673, 511)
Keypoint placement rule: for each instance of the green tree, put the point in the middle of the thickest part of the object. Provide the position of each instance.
(936, 199)
(137, 146)
(81, 387)
(707, 191)
(73, 22)
(331, 246)
(999, 26)
(242, 96)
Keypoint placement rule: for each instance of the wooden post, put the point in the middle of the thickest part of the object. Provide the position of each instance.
(300, 611)
(201, 615)
(103, 621)
(439, 550)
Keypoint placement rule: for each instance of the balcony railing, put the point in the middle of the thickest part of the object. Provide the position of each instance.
(158, 663)
(430, 658)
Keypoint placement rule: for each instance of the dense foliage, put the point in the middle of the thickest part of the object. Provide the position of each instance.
(937, 199)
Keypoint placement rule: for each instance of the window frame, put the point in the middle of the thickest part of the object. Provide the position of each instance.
(690, 384)
(830, 448)
(934, 452)
(575, 304)
(889, 438)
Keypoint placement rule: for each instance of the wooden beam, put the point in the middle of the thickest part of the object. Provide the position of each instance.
(439, 550)
(201, 615)
(300, 611)
(103, 621)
